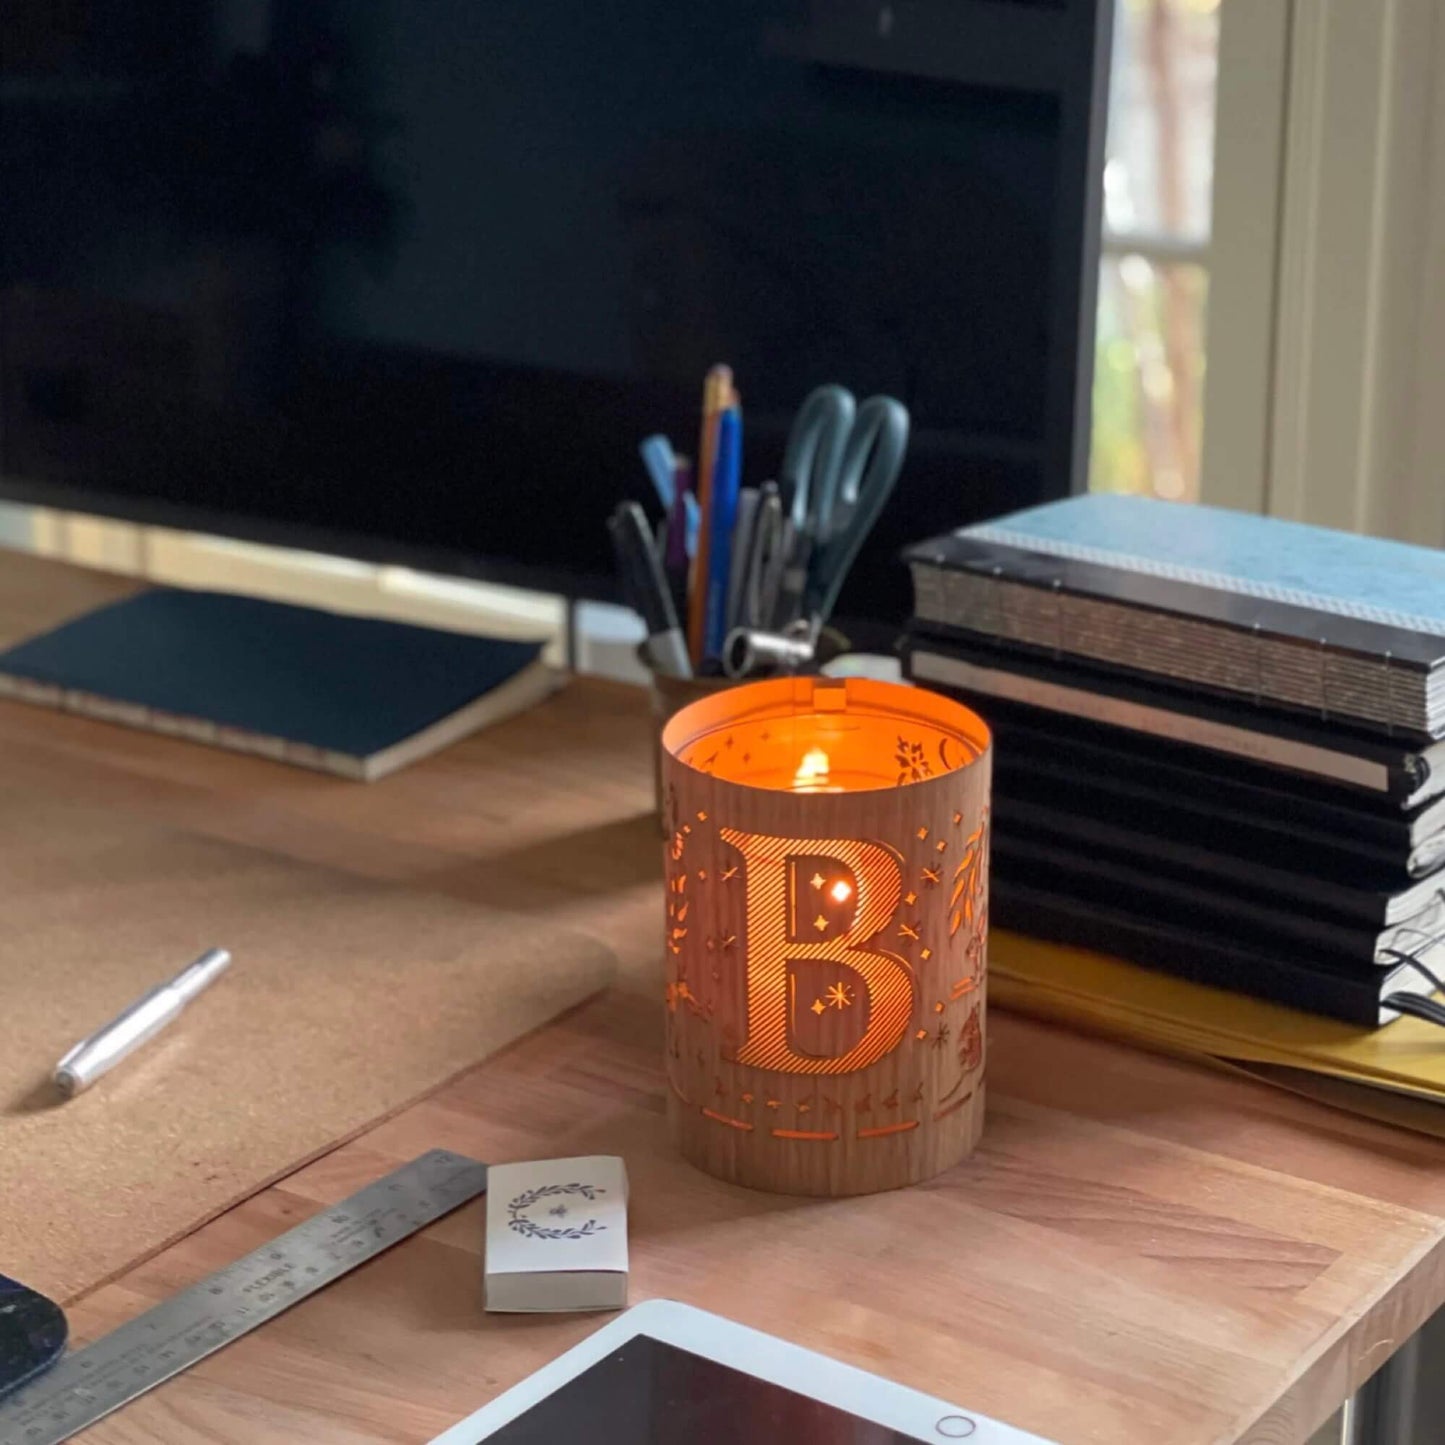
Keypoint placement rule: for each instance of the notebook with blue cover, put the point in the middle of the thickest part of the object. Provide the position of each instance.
(1327, 622)
(356, 696)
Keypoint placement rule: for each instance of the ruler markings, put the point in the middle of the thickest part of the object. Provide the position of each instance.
(180, 1331)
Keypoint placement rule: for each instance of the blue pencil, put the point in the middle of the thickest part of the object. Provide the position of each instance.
(727, 476)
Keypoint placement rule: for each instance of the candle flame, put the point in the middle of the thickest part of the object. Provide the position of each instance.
(813, 770)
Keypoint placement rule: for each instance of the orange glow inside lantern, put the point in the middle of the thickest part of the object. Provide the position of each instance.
(820, 735)
(826, 931)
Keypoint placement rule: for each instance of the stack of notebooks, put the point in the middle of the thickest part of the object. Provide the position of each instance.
(1217, 741)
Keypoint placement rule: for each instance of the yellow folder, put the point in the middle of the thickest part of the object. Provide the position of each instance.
(1281, 1045)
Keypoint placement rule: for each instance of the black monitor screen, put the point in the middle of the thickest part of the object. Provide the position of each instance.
(412, 280)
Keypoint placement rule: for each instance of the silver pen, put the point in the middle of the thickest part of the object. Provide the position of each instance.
(129, 1029)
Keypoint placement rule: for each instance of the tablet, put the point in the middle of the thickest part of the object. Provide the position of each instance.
(668, 1374)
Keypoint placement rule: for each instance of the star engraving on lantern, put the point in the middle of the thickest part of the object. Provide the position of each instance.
(922, 834)
(908, 930)
(831, 1104)
(774, 1103)
(838, 996)
(727, 941)
(917, 1096)
(925, 954)
(957, 819)
(942, 845)
(891, 1102)
(910, 898)
(701, 816)
(728, 874)
(747, 1098)
(941, 1034)
(938, 1007)
(932, 876)
(820, 923)
(817, 880)
(818, 1007)
(804, 1106)
(921, 1035)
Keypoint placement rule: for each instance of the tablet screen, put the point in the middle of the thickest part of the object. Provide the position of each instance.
(651, 1393)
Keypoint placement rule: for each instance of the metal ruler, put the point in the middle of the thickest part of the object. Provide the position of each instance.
(147, 1350)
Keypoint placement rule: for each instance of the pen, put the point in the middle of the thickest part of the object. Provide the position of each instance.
(727, 472)
(657, 457)
(675, 553)
(646, 590)
(128, 1030)
(742, 554)
(715, 394)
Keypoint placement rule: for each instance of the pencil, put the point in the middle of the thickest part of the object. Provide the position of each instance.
(717, 390)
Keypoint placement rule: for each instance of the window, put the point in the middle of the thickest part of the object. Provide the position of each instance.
(1154, 279)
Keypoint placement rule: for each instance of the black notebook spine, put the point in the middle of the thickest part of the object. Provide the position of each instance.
(1181, 726)
(1156, 591)
(1024, 909)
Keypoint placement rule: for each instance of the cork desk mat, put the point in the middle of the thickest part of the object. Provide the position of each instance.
(347, 1000)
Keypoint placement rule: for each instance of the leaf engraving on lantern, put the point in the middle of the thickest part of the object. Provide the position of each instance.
(731, 1123)
(913, 764)
(970, 1043)
(901, 1127)
(952, 1108)
(970, 879)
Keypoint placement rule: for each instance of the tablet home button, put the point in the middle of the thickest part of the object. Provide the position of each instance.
(955, 1427)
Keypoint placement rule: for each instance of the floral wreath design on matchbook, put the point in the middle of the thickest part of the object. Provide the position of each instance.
(528, 1228)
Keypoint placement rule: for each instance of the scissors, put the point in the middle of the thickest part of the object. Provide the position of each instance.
(839, 468)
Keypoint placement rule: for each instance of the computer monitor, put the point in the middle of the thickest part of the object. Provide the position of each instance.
(410, 279)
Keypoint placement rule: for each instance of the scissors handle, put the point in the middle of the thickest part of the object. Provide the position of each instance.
(872, 460)
(765, 562)
(814, 455)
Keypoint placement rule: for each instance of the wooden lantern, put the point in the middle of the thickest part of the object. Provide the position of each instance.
(827, 916)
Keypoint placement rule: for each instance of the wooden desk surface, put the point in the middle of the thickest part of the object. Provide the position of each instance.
(1141, 1251)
